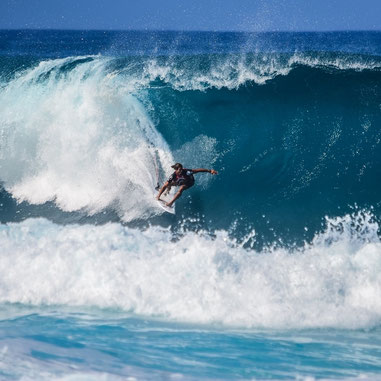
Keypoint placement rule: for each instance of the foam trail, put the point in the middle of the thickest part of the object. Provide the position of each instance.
(332, 282)
(70, 134)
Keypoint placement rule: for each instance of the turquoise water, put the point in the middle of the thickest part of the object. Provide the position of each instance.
(270, 270)
(78, 343)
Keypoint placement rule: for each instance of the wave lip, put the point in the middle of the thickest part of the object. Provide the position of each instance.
(235, 70)
(332, 282)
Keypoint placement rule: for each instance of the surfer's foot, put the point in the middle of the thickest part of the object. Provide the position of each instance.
(169, 204)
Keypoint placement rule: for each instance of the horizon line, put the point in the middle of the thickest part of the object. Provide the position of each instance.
(191, 31)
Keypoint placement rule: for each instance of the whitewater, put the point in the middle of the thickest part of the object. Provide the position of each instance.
(270, 270)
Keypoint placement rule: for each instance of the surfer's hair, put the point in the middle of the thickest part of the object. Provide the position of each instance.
(177, 166)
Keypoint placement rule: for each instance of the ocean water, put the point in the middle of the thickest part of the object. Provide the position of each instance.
(269, 270)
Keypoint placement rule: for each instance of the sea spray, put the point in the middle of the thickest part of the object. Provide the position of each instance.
(70, 136)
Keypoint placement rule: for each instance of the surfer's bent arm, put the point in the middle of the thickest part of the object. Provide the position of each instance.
(212, 171)
(163, 188)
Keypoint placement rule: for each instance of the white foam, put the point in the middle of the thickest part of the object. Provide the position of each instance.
(79, 139)
(233, 71)
(333, 282)
(230, 72)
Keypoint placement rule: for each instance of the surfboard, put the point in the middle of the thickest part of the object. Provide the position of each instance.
(164, 198)
(168, 209)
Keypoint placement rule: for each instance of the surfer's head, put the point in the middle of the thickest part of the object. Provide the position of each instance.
(177, 166)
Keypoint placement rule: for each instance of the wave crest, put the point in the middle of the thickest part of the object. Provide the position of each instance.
(233, 71)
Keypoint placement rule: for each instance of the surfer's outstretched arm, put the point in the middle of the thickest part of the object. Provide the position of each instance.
(211, 171)
(163, 188)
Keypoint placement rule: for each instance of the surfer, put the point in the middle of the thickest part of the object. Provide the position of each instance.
(182, 178)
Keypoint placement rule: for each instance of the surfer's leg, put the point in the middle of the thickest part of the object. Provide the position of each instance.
(162, 190)
(177, 195)
(168, 190)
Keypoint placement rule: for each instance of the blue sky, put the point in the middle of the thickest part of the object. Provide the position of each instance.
(217, 15)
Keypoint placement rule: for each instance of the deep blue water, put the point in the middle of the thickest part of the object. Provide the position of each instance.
(269, 270)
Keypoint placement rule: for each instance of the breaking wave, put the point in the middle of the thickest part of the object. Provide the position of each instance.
(334, 281)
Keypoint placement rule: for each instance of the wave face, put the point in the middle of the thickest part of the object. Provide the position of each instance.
(290, 121)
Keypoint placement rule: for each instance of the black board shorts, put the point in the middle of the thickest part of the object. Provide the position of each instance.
(187, 182)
